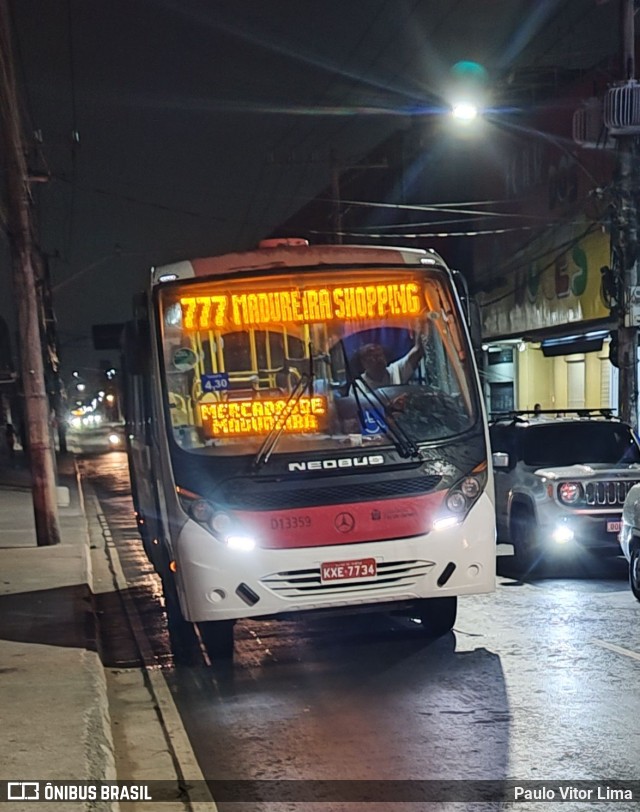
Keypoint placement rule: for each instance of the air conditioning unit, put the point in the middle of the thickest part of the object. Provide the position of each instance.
(622, 109)
(588, 125)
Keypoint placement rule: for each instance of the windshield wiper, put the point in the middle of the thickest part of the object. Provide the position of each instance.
(272, 438)
(405, 445)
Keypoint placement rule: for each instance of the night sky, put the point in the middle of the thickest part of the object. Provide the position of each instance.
(179, 128)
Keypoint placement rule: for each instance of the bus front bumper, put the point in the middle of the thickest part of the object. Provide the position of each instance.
(217, 583)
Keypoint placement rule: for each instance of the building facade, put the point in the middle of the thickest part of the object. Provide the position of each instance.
(542, 283)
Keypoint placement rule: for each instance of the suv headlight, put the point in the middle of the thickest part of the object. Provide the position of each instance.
(223, 526)
(570, 493)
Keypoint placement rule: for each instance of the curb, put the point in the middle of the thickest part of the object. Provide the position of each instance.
(178, 747)
(98, 739)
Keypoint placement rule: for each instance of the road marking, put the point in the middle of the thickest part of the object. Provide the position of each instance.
(618, 649)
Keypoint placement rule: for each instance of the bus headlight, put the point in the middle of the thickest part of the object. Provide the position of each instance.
(456, 502)
(201, 511)
(226, 528)
(223, 526)
(444, 522)
(470, 487)
(240, 542)
(221, 523)
(462, 496)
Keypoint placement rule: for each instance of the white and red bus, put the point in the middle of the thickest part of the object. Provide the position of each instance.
(306, 432)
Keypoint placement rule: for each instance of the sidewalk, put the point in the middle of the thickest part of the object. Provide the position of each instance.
(66, 712)
(53, 696)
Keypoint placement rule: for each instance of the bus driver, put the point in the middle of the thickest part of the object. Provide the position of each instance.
(377, 372)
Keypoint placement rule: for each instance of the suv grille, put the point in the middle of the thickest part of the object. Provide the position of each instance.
(609, 492)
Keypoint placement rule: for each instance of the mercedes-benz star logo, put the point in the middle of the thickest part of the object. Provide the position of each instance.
(344, 522)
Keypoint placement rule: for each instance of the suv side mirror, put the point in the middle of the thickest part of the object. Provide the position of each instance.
(500, 459)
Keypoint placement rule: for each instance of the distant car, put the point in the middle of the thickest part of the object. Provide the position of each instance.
(96, 439)
(561, 480)
(630, 537)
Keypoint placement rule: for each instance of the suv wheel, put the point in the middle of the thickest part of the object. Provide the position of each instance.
(525, 541)
(634, 572)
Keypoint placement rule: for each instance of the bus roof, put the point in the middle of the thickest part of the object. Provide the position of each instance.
(280, 254)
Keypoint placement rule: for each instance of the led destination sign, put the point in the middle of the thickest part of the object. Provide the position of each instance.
(299, 306)
(237, 418)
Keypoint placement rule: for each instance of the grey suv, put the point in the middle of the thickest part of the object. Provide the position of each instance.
(561, 479)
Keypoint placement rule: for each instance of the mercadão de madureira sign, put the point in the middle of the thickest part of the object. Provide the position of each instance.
(250, 417)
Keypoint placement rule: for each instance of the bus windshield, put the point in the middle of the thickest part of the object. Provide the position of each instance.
(320, 360)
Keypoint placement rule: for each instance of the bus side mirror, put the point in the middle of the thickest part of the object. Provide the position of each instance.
(471, 310)
(136, 347)
(500, 459)
(475, 324)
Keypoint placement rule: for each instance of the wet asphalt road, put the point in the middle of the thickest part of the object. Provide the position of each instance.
(538, 681)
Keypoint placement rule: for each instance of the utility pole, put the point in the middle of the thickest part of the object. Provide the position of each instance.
(336, 168)
(53, 378)
(623, 122)
(336, 202)
(25, 292)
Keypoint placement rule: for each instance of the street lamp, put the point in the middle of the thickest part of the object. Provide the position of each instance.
(467, 91)
(464, 111)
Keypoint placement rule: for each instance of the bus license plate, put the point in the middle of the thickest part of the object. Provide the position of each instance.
(344, 570)
(614, 527)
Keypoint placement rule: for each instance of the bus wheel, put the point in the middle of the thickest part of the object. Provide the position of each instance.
(217, 638)
(634, 572)
(437, 615)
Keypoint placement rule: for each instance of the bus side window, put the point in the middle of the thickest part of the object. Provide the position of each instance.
(137, 353)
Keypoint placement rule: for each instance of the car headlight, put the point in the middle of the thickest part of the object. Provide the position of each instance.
(562, 534)
(223, 526)
(570, 493)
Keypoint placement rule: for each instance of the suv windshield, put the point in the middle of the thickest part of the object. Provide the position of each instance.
(317, 359)
(559, 444)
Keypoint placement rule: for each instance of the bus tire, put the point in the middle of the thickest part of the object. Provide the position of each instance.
(634, 572)
(217, 638)
(438, 615)
(182, 637)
